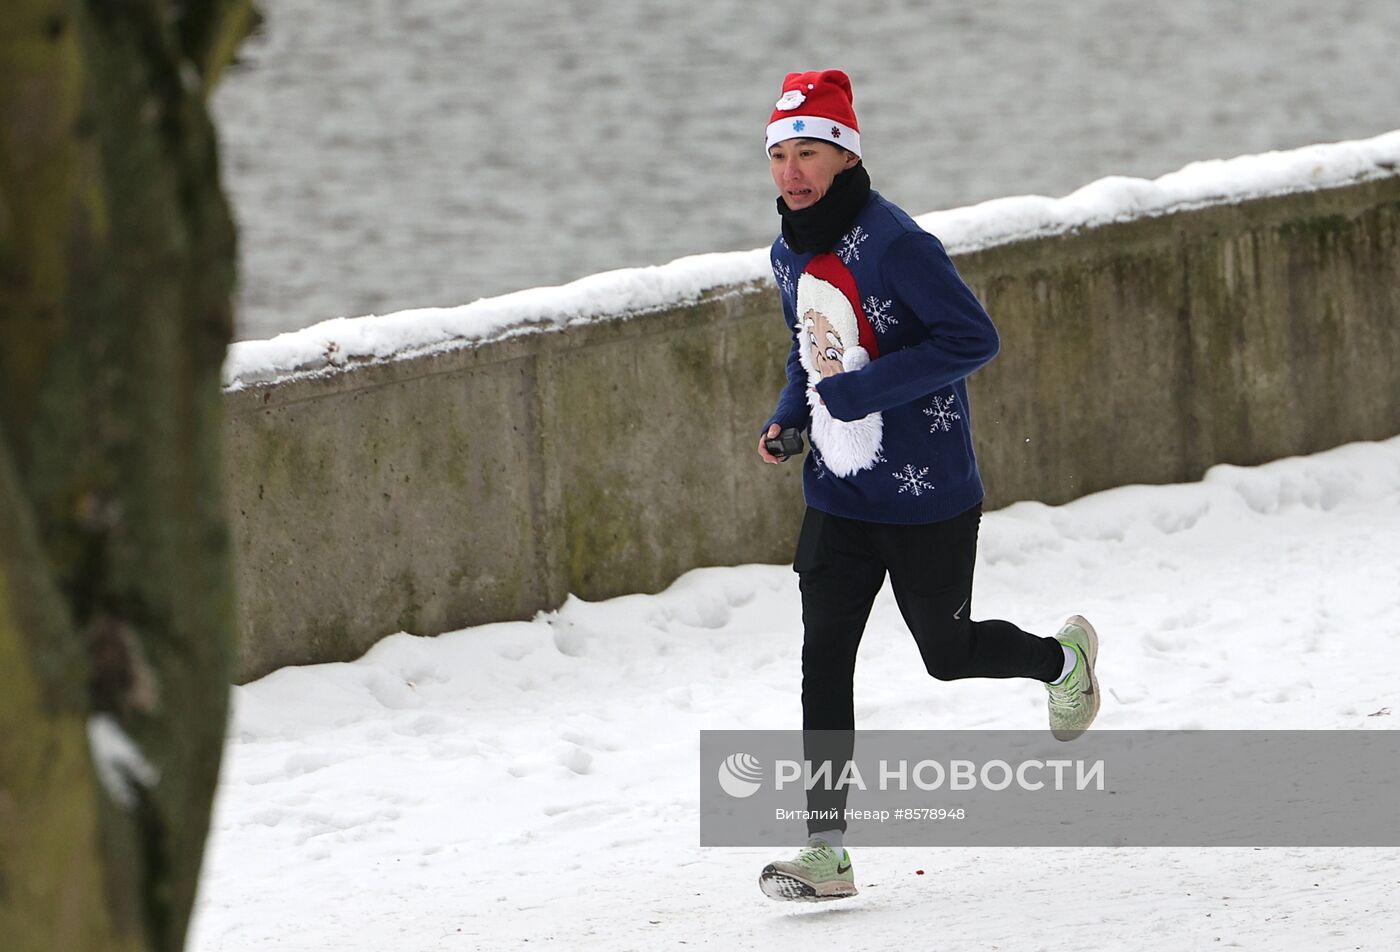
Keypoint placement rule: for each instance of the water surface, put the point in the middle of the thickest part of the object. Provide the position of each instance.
(386, 154)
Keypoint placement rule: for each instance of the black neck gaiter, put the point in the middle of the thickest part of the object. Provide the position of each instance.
(817, 227)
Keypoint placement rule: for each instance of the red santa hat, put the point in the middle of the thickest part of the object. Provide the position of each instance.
(827, 285)
(816, 105)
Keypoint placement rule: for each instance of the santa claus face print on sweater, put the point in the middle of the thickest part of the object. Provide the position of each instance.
(824, 343)
(835, 337)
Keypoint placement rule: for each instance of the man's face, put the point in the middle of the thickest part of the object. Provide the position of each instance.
(803, 169)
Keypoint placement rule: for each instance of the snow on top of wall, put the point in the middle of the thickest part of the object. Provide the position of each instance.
(335, 345)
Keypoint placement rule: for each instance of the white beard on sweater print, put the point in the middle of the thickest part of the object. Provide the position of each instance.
(829, 344)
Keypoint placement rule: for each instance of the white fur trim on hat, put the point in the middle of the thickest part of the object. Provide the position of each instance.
(812, 127)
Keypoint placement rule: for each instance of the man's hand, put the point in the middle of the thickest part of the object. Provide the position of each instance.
(773, 430)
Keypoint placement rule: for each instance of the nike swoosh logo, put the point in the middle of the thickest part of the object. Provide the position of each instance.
(843, 869)
(957, 615)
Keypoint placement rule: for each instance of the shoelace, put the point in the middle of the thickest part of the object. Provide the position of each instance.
(1063, 699)
(1065, 696)
(814, 855)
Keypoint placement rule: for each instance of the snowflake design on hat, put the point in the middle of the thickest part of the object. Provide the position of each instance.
(881, 313)
(849, 249)
(782, 273)
(944, 416)
(836, 132)
(912, 480)
(798, 125)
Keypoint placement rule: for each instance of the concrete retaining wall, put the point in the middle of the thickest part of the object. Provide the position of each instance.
(485, 484)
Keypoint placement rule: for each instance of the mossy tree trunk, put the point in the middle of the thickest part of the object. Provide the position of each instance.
(116, 603)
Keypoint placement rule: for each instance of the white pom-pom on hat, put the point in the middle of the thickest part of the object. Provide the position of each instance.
(855, 357)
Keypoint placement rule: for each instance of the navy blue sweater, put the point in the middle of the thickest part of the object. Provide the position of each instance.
(932, 332)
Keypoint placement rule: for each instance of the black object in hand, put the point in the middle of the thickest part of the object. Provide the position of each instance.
(785, 444)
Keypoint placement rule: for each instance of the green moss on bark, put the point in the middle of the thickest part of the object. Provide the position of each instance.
(116, 273)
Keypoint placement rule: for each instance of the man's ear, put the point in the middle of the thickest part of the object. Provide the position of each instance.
(851, 160)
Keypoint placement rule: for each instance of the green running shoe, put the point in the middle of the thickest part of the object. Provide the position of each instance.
(1075, 701)
(817, 874)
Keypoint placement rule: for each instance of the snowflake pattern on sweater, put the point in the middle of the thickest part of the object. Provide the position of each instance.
(782, 273)
(944, 416)
(849, 248)
(912, 480)
(929, 333)
(881, 313)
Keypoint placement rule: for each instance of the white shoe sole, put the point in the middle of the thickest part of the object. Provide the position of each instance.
(790, 888)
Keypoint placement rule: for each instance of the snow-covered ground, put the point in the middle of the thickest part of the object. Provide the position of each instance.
(535, 784)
